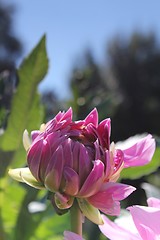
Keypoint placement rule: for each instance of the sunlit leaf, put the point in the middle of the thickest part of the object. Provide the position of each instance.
(26, 113)
(52, 226)
(25, 109)
(11, 195)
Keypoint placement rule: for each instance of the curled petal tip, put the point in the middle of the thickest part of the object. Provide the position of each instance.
(42, 127)
(26, 140)
(15, 174)
(92, 117)
(63, 201)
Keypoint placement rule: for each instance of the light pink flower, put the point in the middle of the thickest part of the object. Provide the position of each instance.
(74, 159)
(72, 236)
(145, 219)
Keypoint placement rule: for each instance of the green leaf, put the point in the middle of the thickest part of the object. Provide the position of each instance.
(90, 212)
(11, 195)
(137, 172)
(52, 226)
(25, 111)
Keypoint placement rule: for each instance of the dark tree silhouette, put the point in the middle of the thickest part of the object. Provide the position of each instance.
(135, 65)
(89, 89)
(10, 50)
(51, 104)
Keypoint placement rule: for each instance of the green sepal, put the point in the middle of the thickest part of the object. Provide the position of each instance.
(25, 175)
(90, 212)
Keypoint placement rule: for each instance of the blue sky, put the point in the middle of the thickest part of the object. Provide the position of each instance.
(71, 26)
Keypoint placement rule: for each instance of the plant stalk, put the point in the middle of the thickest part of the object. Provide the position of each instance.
(76, 218)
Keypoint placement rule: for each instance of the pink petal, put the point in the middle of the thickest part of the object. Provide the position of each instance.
(75, 152)
(67, 151)
(107, 199)
(97, 150)
(34, 157)
(146, 220)
(140, 153)
(72, 236)
(55, 139)
(60, 121)
(34, 134)
(90, 132)
(109, 164)
(115, 232)
(54, 170)
(148, 234)
(59, 116)
(153, 202)
(93, 181)
(85, 163)
(104, 131)
(67, 116)
(92, 118)
(71, 181)
(118, 160)
(45, 158)
(65, 120)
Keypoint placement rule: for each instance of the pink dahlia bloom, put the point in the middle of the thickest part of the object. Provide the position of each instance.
(74, 159)
(145, 221)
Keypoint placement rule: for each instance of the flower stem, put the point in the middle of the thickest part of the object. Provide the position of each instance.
(76, 218)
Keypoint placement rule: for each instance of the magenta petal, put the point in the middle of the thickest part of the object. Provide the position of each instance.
(72, 236)
(34, 158)
(109, 164)
(140, 153)
(146, 220)
(55, 139)
(71, 181)
(93, 181)
(107, 199)
(75, 152)
(58, 116)
(104, 131)
(54, 170)
(92, 118)
(65, 120)
(67, 151)
(114, 232)
(34, 134)
(97, 150)
(67, 116)
(45, 158)
(85, 164)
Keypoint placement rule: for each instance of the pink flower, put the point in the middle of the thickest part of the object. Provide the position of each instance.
(71, 236)
(74, 159)
(145, 220)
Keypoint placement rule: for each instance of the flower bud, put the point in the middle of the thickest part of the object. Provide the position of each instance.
(74, 159)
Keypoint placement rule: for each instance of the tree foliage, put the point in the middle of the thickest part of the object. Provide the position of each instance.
(10, 50)
(136, 68)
